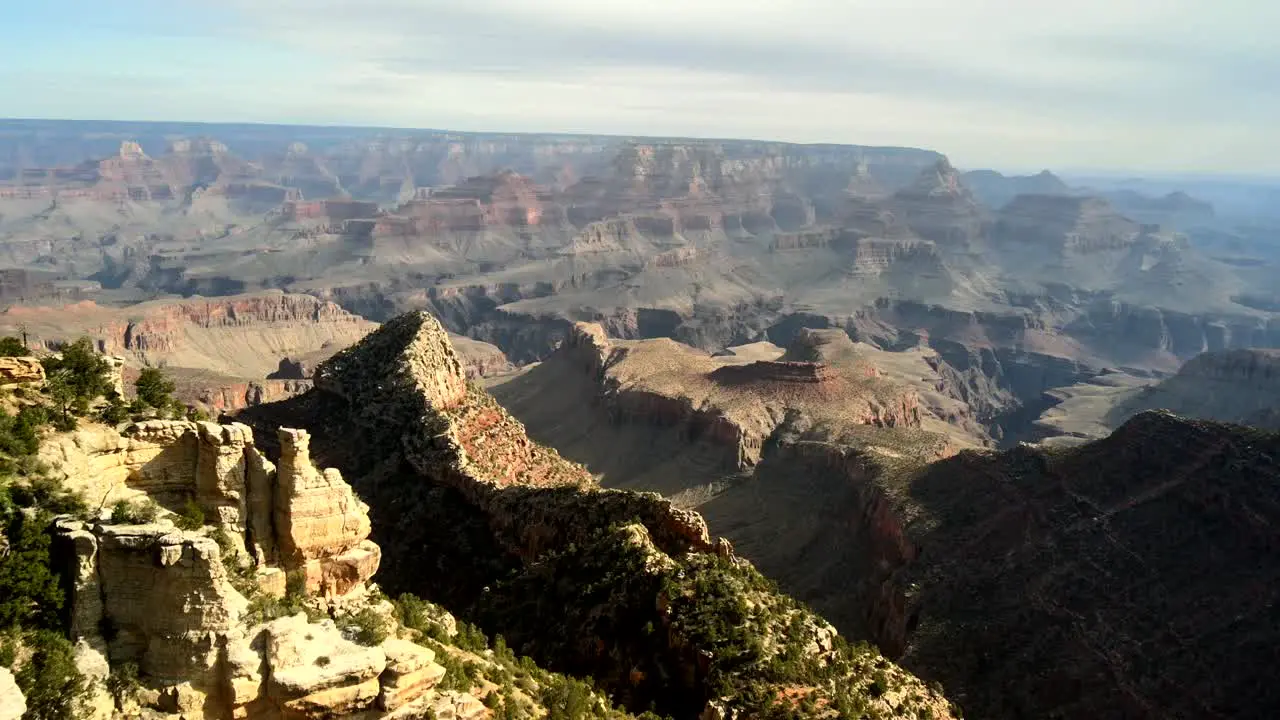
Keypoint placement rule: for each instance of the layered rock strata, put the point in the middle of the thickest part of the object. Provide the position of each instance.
(166, 599)
(21, 371)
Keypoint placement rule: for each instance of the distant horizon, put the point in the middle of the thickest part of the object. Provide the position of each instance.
(1081, 173)
(1147, 86)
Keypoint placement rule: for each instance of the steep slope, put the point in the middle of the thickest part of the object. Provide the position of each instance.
(620, 585)
(775, 448)
(1128, 578)
(1133, 577)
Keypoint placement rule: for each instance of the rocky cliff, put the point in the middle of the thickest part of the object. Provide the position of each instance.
(454, 483)
(185, 603)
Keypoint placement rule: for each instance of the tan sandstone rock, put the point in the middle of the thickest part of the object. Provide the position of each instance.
(315, 672)
(21, 371)
(12, 703)
(168, 598)
(409, 674)
(320, 524)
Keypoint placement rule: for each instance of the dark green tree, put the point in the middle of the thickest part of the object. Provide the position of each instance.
(77, 377)
(154, 388)
(29, 590)
(53, 687)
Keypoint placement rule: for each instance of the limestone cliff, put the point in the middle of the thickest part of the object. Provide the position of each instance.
(21, 371)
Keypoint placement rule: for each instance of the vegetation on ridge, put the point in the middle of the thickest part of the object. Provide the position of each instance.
(676, 633)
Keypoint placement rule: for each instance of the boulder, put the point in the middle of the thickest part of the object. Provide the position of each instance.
(410, 673)
(316, 672)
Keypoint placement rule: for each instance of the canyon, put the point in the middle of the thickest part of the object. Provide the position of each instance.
(929, 402)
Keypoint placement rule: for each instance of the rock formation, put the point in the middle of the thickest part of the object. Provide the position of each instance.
(1063, 224)
(940, 208)
(170, 599)
(21, 371)
(427, 445)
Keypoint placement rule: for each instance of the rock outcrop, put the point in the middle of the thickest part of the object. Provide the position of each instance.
(21, 371)
(175, 602)
(292, 515)
(320, 525)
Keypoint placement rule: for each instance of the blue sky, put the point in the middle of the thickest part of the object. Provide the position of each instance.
(1148, 85)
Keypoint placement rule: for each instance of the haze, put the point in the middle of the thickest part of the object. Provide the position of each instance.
(1143, 85)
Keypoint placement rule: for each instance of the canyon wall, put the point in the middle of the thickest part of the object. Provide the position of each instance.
(244, 336)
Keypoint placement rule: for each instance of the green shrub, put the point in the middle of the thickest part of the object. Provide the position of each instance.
(134, 513)
(191, 517)
(417, 614)
(53, 687)
(115, 411)
(370, 627)
(76, 378)
(8, 648)
(264, 608)
(36, 490)
(455, 674)
(12, 347)
(20, 434)
(123, 683)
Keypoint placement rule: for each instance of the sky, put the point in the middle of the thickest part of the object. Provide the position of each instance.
(1020, 85)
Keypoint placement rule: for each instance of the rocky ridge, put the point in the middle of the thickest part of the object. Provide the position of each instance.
(1018, 554)
(1126, 578)
(422, 443)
